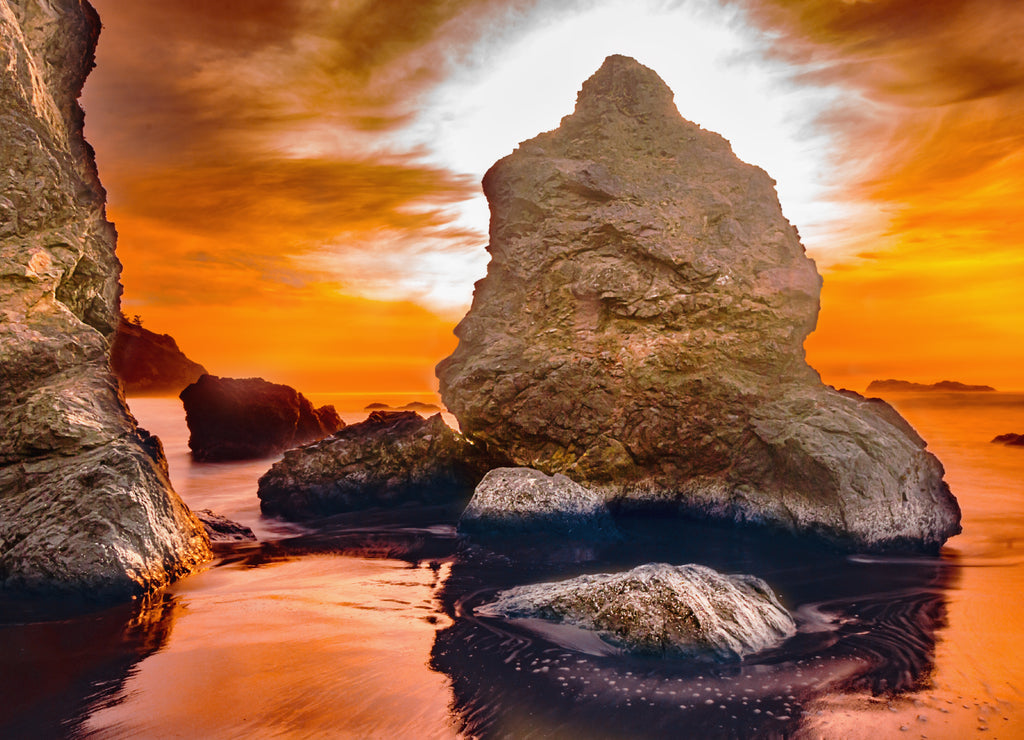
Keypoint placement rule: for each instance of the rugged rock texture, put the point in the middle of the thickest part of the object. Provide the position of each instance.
(510, 501)
(1010, 439)
(85, 503)
(641, 330)
(244, 418)
(393, 457)
(147, 363)
(888, 386)
(662, 609)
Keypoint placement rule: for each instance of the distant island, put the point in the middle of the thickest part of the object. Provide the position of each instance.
(412, 406)
(1016, 440)
(882, 386)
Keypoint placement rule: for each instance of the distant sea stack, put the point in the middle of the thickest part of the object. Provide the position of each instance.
(641, 326)
(246, 418)
(85, 502)
(903, 386)
(148, 363)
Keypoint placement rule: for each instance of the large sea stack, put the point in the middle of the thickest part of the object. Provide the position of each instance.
(641, 326)
(85, 503)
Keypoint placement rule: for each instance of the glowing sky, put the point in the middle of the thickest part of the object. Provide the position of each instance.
(295, 182)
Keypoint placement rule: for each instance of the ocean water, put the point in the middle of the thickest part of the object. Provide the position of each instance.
(366, 628)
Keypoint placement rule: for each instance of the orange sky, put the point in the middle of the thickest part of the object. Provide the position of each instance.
(279, 215)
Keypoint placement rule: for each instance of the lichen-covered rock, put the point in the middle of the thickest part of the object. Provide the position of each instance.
(392, 458)
(661, 609)
(244, 418)
(85, 503)
(641, 330)
(147, 363)
(510, 501)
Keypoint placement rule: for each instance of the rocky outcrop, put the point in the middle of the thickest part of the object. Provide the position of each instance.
(85, 503)
(147, 363)
(240, 419)
(686, 610)
(1010, 439)
(392, 458)
(903, 386)
(514, 501)
(640, 329)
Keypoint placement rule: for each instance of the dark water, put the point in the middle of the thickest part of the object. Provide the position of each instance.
(365, 627)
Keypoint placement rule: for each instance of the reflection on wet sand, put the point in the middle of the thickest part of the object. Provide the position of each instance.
(866, 625)
(60, 659)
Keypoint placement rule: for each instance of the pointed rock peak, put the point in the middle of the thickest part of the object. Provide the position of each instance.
(623, 84)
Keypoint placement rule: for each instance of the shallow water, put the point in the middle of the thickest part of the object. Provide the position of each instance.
(365, 627)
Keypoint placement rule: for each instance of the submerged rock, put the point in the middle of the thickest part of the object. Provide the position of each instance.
(510, 501)
(662, 609)
(85, 502)
(238, 419)
(224, 531)
(392, 458)
(641, 330)
(150, 363)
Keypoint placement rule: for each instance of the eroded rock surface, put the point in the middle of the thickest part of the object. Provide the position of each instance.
(640, 329)
(148, 363)
(661, 609)
(392, 458)
(245, 418)
(510, 501)
(85, 503)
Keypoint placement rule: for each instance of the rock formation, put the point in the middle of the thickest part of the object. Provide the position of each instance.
(662, 609)
(239, 419)
(902, 386)
(1016, 440)
(640, 329)
(85, 503)
(392, 458)
(515, 501)
(147, 363)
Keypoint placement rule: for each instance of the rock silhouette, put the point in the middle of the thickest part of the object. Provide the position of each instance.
(640, 329)
(148, 363)
(85, 502)
(884, 386)
(244, 418)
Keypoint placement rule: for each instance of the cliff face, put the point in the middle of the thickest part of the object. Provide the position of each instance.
(641, 329)
(150, 364)
(85, 503)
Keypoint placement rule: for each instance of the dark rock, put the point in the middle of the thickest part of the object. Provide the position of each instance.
(660, 609)
(392, 458)
(376, 406)
(239, 419)
(511, 501)
(420, 406)
(222, 530)
(1010, 439)
(641, 330)
(85, 504)
(903, 386)
(150, 363)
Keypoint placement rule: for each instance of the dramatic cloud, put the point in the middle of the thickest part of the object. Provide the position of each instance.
(287, 160)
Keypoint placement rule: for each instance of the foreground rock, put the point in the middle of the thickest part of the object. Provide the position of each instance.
(239, 419)
(85, 503)
(641, 330)
(687, 610)
(150, 363)
(392, 458)
(1010, 439)
(511, 501)
(903, 386)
